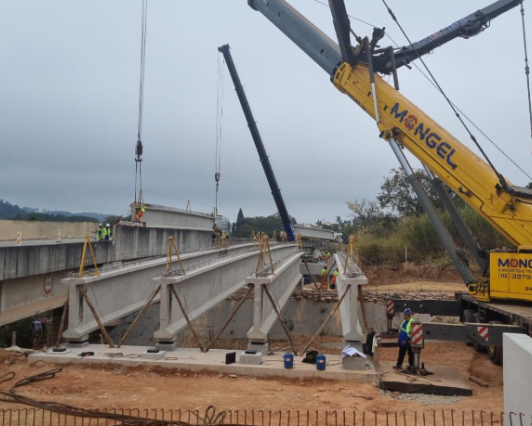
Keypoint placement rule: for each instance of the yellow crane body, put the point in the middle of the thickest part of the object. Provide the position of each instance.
(459, 168)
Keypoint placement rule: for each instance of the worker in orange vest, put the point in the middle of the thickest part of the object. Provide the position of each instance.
(140, 213)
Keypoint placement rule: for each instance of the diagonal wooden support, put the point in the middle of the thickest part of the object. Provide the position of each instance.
(84, 255)
(192, 330)
(233, 313)
(328, 318)
(62, 324)
(137, 318)
(171, 244)
(279, 317)
(310, 275)
(96, 317)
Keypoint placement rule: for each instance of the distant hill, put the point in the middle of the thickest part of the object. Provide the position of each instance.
(10, 211)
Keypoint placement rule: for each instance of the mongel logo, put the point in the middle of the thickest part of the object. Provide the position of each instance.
(515, 263)
(443, 149)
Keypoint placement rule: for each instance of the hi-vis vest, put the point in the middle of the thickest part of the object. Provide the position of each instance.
(405, 332)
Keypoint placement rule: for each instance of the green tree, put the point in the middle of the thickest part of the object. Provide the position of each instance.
(239, 219)
(398, 195)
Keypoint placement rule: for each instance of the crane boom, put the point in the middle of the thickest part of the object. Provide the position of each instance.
(454, 163)
(257, 139)
(466, 27)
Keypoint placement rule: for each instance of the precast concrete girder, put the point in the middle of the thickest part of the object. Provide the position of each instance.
(281, 286)
(204, 288)
(120, 291)
(349, 307)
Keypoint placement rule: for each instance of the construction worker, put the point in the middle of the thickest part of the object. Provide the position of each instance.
(108, 232)
(405, 334)
(141, 213)
(38, 333)
(100, 233)
(328, 257)
(324, 278)
(334, 278)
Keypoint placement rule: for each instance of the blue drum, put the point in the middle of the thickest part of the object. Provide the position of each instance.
(321, 362)
(288, 360)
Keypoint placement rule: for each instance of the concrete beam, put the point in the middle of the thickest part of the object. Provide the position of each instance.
(349, 307)
(128, 243)
(281, 286)
(315, 233)
(203, 288)
(157, 216)
(122, 290)
(24, 297)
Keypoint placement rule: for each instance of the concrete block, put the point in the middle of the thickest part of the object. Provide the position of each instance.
(250, 359)
(153, 355)
(76, 345)
(166, 346)
(67, 352)
(517, 376)
(259, 347)
(353, 363)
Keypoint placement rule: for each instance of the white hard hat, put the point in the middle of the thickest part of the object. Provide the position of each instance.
(107, 225)
(100, 224)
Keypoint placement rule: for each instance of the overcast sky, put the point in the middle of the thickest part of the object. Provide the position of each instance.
(69, 74)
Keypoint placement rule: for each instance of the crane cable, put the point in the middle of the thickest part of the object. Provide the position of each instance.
(219, 122)
(527, 69)
(473, 138)
(139, 147)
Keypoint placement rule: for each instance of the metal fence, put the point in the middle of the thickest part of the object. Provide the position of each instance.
(138, 417)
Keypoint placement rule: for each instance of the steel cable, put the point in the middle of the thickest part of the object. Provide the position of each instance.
(527, 69)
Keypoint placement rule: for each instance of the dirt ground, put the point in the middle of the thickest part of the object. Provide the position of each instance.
(120, 387)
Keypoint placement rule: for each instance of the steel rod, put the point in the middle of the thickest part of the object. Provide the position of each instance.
(137, 318)
(192, 330)
(62, 324)
(279, 317)
(233, 313)
(96, 317)
(327, 319)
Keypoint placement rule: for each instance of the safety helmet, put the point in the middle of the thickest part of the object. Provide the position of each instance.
(408, 311)
(108, 225)
(100, 224)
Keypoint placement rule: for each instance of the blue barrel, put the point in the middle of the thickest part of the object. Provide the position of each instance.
(288, 360)
(321, 361)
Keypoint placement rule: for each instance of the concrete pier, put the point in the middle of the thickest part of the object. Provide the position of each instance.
(281, 285)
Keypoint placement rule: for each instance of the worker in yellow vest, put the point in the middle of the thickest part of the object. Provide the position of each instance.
(324, 278)
(140, 213)
(100, 233)
(405, 335)
(334, 278)
(108, 232)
